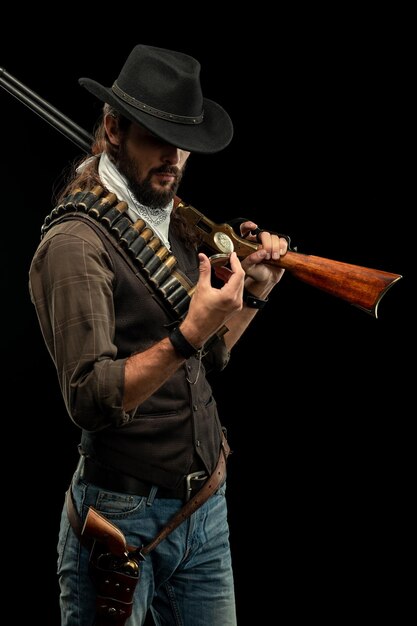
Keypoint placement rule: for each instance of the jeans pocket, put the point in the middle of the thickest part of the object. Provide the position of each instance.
(117, 506)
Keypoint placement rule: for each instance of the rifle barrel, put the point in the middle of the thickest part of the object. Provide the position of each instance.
(46, 111)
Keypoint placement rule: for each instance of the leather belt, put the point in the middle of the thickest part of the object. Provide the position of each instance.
(208, 489)
(113, 480)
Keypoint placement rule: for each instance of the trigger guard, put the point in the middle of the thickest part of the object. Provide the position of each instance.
(238, 221)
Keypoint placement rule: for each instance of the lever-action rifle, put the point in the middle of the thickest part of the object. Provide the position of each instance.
(362, 287)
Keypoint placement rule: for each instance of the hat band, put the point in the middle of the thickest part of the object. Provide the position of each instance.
(171, 117)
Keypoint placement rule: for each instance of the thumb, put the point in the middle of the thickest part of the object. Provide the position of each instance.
(204, 269)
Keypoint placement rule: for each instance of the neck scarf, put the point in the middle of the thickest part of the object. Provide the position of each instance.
(157, 219)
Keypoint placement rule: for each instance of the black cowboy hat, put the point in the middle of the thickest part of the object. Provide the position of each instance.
(160, 89)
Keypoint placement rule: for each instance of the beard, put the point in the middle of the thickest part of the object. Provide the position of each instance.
(141, 185)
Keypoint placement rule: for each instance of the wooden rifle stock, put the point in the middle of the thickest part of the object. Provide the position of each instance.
(362, 287)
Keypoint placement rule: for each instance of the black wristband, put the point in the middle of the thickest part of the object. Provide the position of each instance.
(252, 301)
(180, 343)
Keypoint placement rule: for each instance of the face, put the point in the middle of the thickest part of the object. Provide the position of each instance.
(152, 167)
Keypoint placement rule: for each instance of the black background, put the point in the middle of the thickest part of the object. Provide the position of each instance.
(317, 397)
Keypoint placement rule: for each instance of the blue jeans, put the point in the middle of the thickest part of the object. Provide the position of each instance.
(186, 581)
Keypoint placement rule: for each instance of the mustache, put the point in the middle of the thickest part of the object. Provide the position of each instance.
(172, 170)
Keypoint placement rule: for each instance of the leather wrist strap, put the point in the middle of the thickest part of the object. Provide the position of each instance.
(183, 347)
(252, 301)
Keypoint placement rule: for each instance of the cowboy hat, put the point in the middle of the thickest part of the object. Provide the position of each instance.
(160, 89)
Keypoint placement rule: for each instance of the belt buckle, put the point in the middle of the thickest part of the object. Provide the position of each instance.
(200, 475)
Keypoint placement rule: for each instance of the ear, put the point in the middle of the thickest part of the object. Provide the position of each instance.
(111, 125)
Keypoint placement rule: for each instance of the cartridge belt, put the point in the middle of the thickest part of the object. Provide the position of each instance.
(134, 240)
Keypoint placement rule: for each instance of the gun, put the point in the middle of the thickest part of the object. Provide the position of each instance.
(360, 286)
(98, 528)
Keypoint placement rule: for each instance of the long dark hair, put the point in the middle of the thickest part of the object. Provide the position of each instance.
(83, 174)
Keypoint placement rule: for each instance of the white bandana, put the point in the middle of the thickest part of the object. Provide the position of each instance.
(157, 219)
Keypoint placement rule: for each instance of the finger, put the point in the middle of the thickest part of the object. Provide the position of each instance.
(273, 244)
(283, 246)
(254, 258)
(246, 227)
(275, 247)
(235, 264)
(238, 273)
(204, 269)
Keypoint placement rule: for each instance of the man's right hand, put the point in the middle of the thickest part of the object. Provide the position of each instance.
(211, 307)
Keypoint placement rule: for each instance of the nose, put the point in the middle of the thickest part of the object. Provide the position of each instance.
(171, 155)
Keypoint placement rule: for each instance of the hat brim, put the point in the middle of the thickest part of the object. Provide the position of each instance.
(213, 134)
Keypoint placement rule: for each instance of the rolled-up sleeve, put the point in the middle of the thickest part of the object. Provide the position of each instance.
(71, 286)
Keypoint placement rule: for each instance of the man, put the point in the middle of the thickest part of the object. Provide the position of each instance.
(132, 376)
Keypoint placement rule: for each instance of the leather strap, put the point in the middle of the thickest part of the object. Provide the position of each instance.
(208, 489)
